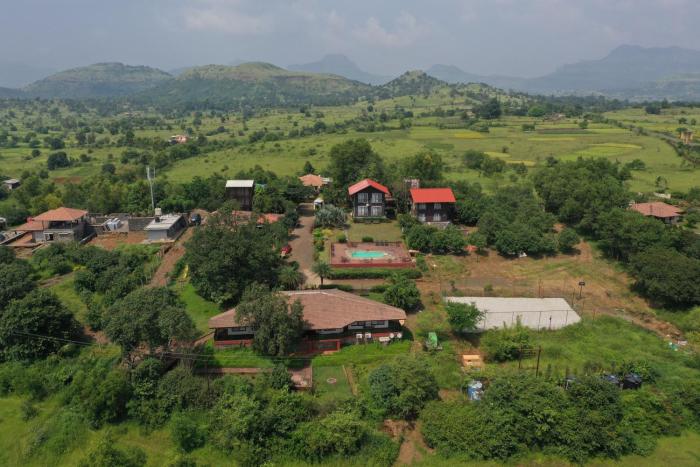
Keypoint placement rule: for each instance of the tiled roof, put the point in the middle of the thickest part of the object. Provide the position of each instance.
(61, 214)
(315, 181)
(326, 309)
(30, 226)
(656, 209)
(366, 183)
(432, 195)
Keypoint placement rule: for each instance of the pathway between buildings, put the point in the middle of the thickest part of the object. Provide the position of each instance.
(302, 243)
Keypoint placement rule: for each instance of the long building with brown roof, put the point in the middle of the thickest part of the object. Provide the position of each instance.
(662, 211)
(332, 318)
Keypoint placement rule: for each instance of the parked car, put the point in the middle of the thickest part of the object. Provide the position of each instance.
(286, 250)
(195, 219)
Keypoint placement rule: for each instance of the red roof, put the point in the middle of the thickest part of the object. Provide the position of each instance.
(656, 209)
(30, 226)
(61, 215)
(432, 195)
(366, 183)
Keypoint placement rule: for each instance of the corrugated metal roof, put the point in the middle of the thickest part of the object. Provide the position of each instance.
(240, 183)
(534, 313)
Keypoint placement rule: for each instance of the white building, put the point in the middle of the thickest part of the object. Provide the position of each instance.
(534, 313)
(165, 228)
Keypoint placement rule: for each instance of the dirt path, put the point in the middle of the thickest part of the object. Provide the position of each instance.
(302, 243)
(170, 258)
(413, 447)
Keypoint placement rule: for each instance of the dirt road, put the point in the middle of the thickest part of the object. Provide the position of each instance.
(302, 243)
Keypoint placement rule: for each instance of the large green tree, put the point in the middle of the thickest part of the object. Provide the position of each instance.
(353, 160)
(35, 326)
(224, 259)
(278, 324)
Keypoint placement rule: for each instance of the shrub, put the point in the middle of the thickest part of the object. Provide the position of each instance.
(567, 240)
(342, 238)
(339, 433)
(402, 292)
(402, 387)
(505, 344)
(186, 432)
(107, 454)
(367, 239)
(371, 273)
(463, 317)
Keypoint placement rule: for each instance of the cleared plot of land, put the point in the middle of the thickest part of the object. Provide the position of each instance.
(384, 231)
(331, 384)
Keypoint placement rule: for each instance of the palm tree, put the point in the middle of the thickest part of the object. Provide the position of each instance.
(290, 278)
(322, 269)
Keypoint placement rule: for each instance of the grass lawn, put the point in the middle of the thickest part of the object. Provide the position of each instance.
(337, 389)
(65, 290)
(363, 354)
(235, 357)
(385, 231)
(199, 309)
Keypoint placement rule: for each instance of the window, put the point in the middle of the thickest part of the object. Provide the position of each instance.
(380, 324)
(362, 211)
(437, 206)
(377, 211)
(421, 217)
(437, 217)
(330, 331)
(376, 197)
(48, 237)
(362, 198)
(421, 206)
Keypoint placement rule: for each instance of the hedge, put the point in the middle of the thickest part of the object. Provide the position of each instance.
(372, 273)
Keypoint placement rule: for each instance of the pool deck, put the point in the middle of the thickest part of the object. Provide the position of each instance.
(396, 255)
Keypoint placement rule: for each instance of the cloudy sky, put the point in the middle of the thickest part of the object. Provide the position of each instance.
(516, 37)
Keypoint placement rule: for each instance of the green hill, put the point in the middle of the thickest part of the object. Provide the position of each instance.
(98, 80)
(259, 84)
(9, 93)
(415, 82)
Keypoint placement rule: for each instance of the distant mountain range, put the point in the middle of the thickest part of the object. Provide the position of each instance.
(337, 64)
(16, 74)
(628, 72)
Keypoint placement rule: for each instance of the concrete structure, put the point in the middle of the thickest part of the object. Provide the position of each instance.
(664, 212)
(241, 191)
(58, 225)
(11, 183)
(432, 205)
(179, 139)
(368, 199)
(165, 228)
(534, 313)
(332, 318)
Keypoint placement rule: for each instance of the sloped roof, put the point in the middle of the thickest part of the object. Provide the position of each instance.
(240, 183)
(313, 180)
(326, 309)
(61, 214)
(366, 183)
(432, 195)
(30, 226)
(656, 209)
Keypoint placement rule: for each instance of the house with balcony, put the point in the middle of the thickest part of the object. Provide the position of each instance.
(432, 205)
(369, 199)
(332, 319)
(58, 225)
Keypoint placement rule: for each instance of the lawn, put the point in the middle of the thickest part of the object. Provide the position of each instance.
(198, 308)
(384, 231)
(331, 384)
(363, 354)
(65, 290)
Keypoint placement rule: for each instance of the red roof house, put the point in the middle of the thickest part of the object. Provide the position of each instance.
(368, 199)
(61, 224)
(432, 204)
(662, 211)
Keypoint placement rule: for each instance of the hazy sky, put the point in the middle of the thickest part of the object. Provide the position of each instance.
(518, 37)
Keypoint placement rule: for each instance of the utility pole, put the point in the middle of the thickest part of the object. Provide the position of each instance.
(150, 183)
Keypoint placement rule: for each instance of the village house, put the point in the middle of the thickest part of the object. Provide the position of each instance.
(11, 183)
(664, 212)
(179, 139)
(241, 191)
(332, 318)
(369, 199)
(165, 228)
(58, 225)
(432, 205)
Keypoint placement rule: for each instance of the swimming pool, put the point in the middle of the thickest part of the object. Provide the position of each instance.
(366, 254)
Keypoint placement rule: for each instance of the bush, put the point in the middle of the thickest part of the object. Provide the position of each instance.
(371, 273)
(367, 239)
(107, 454)
(463, 317)
(339, 433)
(402, 293)
(402, 388)
(186, 432)
(567, 240)
(342, 238)
(505, 344)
